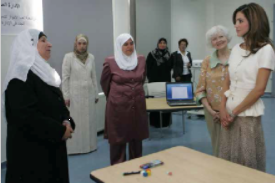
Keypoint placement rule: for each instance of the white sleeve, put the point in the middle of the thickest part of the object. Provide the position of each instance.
(94, 77)
(266, 58)
(66, 72)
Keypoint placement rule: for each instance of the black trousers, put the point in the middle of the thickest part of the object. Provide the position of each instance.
(185, 78)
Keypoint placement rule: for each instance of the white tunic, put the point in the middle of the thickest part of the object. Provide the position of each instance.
(79, 85)
(243, 73)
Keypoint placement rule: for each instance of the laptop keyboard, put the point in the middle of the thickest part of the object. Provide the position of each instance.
(181, 103)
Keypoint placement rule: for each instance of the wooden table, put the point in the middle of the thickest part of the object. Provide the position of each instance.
(186, 165)
(160, 105)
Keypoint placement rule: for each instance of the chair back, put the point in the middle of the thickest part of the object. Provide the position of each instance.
(156, 89)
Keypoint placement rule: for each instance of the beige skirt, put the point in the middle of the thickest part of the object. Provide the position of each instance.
(214, 129)
(243, 143)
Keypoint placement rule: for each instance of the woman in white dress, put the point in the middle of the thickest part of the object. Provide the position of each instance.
(79, 86)
(250, 65)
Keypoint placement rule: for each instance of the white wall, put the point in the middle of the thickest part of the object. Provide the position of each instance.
(121, 17)
(153, 21)
(188, 21)
(90, 17)
(192, 18)
(6, 42)
(225, 10)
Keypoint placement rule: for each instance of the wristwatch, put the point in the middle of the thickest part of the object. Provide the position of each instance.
(232, 115)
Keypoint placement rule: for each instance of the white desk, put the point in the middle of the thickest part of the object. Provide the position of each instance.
(160, 105)
(186, 165)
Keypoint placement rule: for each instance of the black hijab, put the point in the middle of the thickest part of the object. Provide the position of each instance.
(161, 55)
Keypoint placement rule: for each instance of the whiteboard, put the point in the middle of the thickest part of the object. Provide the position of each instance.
(19, 15)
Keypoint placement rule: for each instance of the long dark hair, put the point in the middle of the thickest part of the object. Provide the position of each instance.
(258, 33)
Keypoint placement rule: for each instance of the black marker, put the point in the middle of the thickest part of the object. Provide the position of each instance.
(130, 173)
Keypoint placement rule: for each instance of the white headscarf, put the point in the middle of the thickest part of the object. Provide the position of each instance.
(25, 57)
(123, 61)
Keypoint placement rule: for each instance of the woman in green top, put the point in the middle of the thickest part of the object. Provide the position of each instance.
(213, 72)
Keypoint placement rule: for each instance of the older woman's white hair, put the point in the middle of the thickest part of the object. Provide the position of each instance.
(214, 31)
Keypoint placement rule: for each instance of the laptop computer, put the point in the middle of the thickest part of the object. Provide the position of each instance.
(180, 94)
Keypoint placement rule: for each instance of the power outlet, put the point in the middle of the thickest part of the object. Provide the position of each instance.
(197, 63)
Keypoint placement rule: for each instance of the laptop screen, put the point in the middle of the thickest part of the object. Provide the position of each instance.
(179, 91)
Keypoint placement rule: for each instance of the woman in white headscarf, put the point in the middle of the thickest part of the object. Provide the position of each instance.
(79, 86)
(38, 121)
(125, 118)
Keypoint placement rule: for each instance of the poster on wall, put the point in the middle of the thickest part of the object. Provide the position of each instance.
(19, 15)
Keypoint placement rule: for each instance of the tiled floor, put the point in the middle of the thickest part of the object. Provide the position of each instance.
(196, 137)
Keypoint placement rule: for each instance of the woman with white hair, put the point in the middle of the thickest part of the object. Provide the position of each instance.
(213, 71)
(125, 118)
(79, 86)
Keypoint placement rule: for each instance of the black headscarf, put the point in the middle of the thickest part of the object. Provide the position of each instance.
(161, 55)
(41, 34)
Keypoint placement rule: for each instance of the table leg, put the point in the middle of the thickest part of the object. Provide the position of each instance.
(160, 119)
(148, 116)
(183, 122)
(170, 122)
